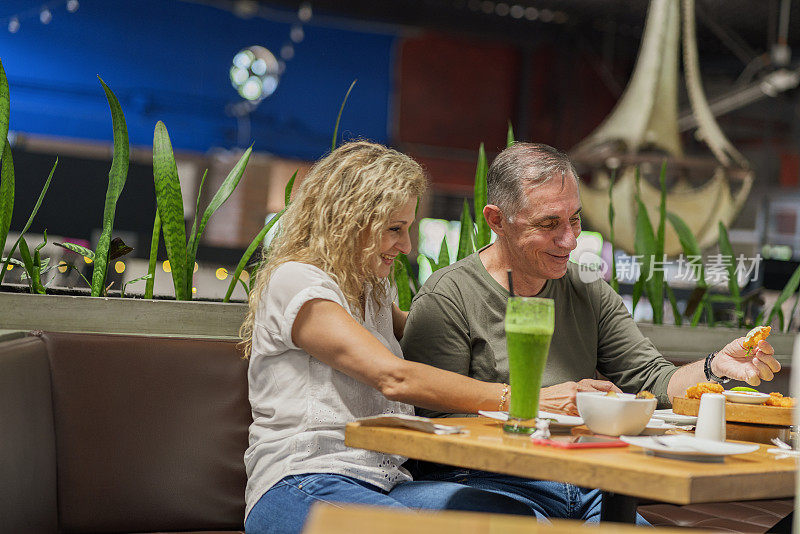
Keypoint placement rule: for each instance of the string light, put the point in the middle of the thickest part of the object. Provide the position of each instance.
(44, 13)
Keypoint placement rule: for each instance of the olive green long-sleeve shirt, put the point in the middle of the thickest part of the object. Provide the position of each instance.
(457, 323)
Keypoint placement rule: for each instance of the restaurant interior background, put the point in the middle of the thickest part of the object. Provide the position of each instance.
(435, 78)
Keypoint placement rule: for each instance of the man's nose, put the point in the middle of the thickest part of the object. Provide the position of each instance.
(568, 239)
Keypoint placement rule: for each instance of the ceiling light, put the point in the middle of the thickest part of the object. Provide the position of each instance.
(255, 73)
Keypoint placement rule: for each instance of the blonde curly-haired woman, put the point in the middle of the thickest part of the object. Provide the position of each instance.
(322, 337)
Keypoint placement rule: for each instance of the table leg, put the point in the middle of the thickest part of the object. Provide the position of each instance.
(618, 508)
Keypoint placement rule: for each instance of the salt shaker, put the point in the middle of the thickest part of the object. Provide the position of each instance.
(711, 417)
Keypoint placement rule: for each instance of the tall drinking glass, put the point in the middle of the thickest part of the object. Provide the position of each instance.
(529, 329)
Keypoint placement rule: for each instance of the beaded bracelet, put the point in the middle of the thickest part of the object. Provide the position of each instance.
(503, 397)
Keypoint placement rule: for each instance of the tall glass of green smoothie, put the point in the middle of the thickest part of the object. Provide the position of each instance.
(529, 329)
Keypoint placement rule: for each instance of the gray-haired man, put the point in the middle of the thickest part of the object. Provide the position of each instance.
(456, 320)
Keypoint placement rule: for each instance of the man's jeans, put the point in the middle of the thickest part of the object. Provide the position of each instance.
(284, 507)
(545, 499)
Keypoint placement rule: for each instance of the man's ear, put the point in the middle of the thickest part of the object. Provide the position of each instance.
(495, 218)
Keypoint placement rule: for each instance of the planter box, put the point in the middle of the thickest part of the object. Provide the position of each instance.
(683, 343)
(59, 313)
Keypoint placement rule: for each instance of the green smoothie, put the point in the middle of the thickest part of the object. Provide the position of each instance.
(529, 329)
(527, 356)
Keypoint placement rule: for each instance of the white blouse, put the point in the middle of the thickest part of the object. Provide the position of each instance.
(299, 404)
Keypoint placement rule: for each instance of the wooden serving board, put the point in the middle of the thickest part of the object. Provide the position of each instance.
(739, 413)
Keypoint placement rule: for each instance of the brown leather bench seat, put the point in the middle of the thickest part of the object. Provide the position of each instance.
(107, 433)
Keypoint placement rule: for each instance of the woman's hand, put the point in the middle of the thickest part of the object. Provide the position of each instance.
(561, 397)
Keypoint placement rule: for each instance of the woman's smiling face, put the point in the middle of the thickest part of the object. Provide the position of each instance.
(395, 239)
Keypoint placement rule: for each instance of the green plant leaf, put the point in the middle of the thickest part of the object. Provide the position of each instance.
(170, 208)
(151, 266)
(287, 193)
(5, 105)
(116, 182)
(645, 246)
(407, 264)
(339, 116)
(148, 276)
(83, 251)
(788, 290)
(223, 193)
(481, 198)
(13, 261)
(30, 267)
(193, 233)
(249, 252)
(688, 244)
(402, 281)
(30, 219)
(6, 191)
(614, 281)
(432, 262)
(733, 283)
(466, 245)
(510, 135)
(444, 254)
(674, 303)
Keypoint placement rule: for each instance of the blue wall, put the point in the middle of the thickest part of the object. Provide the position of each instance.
(168, 60)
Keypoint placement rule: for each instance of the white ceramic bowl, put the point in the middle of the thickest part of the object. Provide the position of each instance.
(615, 416)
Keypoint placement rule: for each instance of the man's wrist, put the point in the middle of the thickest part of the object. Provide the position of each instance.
(712, 373)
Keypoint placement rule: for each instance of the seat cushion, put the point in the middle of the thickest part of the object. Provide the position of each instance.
(150, 432)
(743, 516)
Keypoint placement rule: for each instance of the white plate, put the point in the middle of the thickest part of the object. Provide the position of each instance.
(746, 397)
(656, 427)
(684, 447)
(668, 416)
(560, 419)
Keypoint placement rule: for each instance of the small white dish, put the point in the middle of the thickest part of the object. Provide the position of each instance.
(685, 447)
(668, 416)
(746, 397)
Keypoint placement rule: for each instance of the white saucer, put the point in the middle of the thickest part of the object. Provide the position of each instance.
(668, 416)
(685, 447)
(746, 397)
(559, 421)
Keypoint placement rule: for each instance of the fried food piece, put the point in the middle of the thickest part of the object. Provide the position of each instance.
(776, 399)
(755, 335)
(611, 394)
(645, 395)
(695, 392)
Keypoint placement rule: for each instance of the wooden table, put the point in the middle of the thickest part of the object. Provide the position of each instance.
(624, 474)
(347, 519)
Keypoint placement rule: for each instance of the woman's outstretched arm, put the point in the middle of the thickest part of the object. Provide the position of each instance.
(327, 332)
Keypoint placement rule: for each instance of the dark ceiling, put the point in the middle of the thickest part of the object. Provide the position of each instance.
(742, 29)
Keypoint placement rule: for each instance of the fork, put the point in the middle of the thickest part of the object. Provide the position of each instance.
(782, 444)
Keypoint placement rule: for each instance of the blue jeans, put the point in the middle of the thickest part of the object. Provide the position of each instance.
(284, 507)
(545, 499)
